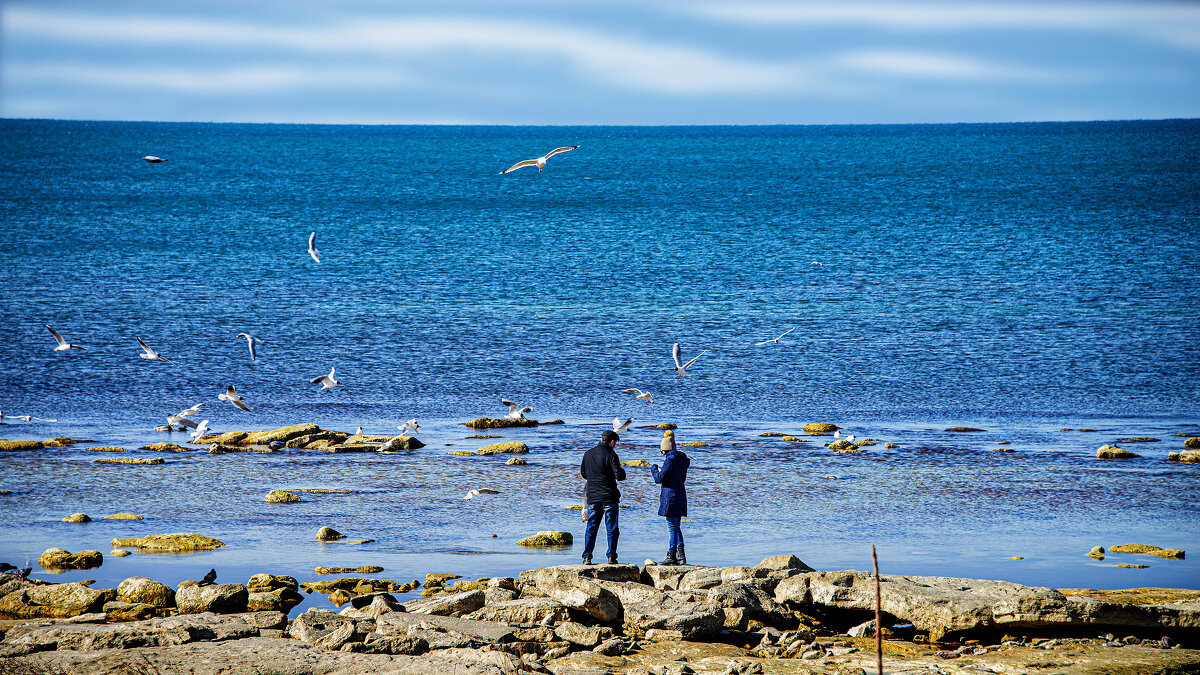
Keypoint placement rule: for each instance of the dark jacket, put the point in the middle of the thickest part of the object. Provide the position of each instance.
(602, 469)
(672, 500)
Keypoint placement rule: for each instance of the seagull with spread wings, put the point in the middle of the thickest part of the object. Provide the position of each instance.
(680, 366)
(231, 395)
(639, 394)
(481, 491)
(252, 342)
(326, 381)
(775, 340)
(515, 411)
(63, 345)
(150, 354)
(540, 162)
(312, 247)
(619, 426)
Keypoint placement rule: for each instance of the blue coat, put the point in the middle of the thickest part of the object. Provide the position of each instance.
(672, 501)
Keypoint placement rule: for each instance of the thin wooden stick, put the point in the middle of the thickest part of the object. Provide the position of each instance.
(878, 623)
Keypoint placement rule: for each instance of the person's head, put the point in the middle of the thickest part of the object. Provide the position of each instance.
(668, 441)
(609, 437)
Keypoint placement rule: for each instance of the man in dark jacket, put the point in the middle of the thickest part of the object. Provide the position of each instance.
(602, 469)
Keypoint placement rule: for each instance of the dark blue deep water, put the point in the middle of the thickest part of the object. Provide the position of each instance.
(1023, 279)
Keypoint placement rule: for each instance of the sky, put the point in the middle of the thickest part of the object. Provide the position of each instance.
(612, 62)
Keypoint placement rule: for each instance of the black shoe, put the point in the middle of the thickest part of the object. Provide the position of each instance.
(587, 560)
(670, 559)
(680, 558)
(612, 561)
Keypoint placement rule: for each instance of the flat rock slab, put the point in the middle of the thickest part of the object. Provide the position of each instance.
(175, 630)
(483, 631)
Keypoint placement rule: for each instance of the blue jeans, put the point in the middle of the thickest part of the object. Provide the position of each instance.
(594, 513)
(676, 533)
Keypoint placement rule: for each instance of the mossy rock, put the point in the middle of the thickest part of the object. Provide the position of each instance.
(119, 553)
(635, 462)
(171, 543)
(164, 447)
(841, 445)
(218, 449)
(282, 434)
(146, 591)
(464, 585)
(349, 447)
(229, 438)
(77, 518)
(1114, 452)
(58, 601)
(697, 444)
(128, 460)
(491, 423)
(21, 445)
(1139, 439)
(1187, 456)
(62, 560)
(889, 446)
(790, 439)
(9, 492)
(116, 611)
(281, 497)
(265, 583)
(1146, 549)
(964, 429)
(123, 516)
(483, 436)
(507, 448)
(1002, 450)
(365, 569)
(864, 444)
(107, 448)
(357, 584)
(466, 453)
(516, 461)
(1132, 567)
(1193, 442)
(820, 427)
(325, 491)
(334, 438)
(772, 434)
(63, 441)
(1097, 552)
(553, 422)
(547, 538)
(1087, 431)
(666, 425)
(329, 534)
(1004, 443)
(402, 443)
(439, 579)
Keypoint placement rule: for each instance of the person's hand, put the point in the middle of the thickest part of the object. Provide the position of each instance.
(654, 467)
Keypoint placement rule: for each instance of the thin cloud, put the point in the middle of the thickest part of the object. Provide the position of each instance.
(200, 79)
(923, 65)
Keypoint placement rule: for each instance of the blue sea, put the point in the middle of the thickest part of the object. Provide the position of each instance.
(1029, 280)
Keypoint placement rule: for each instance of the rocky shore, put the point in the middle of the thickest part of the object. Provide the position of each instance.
(778, 616)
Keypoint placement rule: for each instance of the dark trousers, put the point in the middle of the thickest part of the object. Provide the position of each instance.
(594, 513)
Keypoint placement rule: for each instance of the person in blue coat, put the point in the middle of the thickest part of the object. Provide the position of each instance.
(672, 500)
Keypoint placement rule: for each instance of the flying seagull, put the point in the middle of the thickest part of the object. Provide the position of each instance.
(154, 160)
(252, 342)
(200, 431)
(638, 393)
(326, 381)
(231, 395)
(410, 425)
(312, 247)
(150, 354)
(775, 340)
(619, 426)
(481, 491)
(540, 162)
(515, 411)
(63, 345)
(680, 366)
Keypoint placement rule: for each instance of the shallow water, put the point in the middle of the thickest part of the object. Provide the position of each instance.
(1016, 278)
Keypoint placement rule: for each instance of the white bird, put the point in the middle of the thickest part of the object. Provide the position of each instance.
(775, 340)
(481, 491)
(540, 162)
(188, 412)
(312, 247)
(850, 438)
(359, 432)
(326, 381)
(150, 354)
(25, 418)
(181, 421)
(837, 434)
(62, 344)
(154, 160)
(200, 431)
(680, 366)
(410, 425)
(638, 393)
(816, 263)
(619, 426)
(252, 342)
(231, 395)
(515, 411)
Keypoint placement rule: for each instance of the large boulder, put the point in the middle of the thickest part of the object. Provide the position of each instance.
(505, 448)
(527, 610)
(55, 601)
(820, 427)
(263, 583)
(282, 434)
(1187, 456)
(180, 541)
(749, 596)
(215, 598)
(573, 590)
(692, 620)
(1114, 452)
(61, 560)
(452, 604)
(547, 538)
(147, 591)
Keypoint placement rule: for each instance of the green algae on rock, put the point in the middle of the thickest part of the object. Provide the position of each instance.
(107, 448)
(820, 427)
(507, 448)
(482, 436)
(145, 590)
(327, 533)
(128, 460)
(165, 447)
(365, 569)
(123, 516)
(516, 461)
(1146, 549)
(21, 445)
(635, 462)
(491, 423)
(281, 497)
(229, 438)
(666, 425)
(171, 543)
(265, 583)
(63, 441)
(772, 434)
(1193, 442)
(701, 444)
(889, 446)
(547, 538)
(1187, 457)
(62, 560)
(1132, 567)
(1114, 452)
(77, 518)
(282, 434)
(462, 453)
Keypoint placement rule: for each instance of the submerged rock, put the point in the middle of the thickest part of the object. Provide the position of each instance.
(820, 427)
(547, 538)
(281, 497)
(490, 423)
(329, 534)
(365, 569)
(20, 445)
(128, 460)
(164, 447)
(1114, 452)
(61, 560)
(1146, 549)
(107, 448)
(77, 518)
(123, 516)
(666, 425)
(509, 448)
(516, 461)
(63, 441)
(181, 541)
(964, 429)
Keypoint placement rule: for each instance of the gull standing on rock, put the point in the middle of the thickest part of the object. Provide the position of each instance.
(515, 411)
(200, 431)
(680, 366)
(619, 426)
(639, 394)
(150, 354)
(326, 381)
(312, 247)
(252, 342)
(231, 395)
(481, 491)
(775, 340)
(410, 425)
(62, 344)
(540, 162)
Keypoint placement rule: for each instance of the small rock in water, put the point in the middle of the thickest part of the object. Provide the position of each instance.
(281, 497)
(547, 538)
(1114, 452)
(77, 518)
(119, 553)
(1134, 567)
(123, 516)
(1097, 552)
(329, 534)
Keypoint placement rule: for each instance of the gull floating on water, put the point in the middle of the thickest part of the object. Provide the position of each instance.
(515, 411)
(775, 340)
(619, 426)
(231, 395)
(252, 342)
(62, 344)
(312, 247)
(410, 425)
(200, 431)
(150, 354)
(816, 263)
(638, 393)
(154, 160)
(680, 366)
(326, 381)
(481, 491)
(540, 162)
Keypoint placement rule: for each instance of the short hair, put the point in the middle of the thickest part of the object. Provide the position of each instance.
(609, 436)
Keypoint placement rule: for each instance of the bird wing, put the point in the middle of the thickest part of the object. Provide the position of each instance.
(526, 409)
(518, 165)
(143, 344)
(512, 407)
(58, 337)
(241, 404)
(253, 351)
(318, 379)
(758, 344)
(635, 392)
(231, 392)
(312, 241)
(675, 355)
(558, 150)
(689, 363)
(788, 331)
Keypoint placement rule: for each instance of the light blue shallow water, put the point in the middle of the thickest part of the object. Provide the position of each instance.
(1017, 278)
